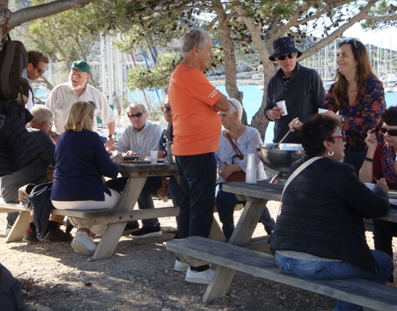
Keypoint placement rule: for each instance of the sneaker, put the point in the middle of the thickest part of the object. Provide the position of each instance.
(57, 235)
(180, 266)
(146, 232)
(83, 244)
(131, 225)
(199, 277)
(30, 235)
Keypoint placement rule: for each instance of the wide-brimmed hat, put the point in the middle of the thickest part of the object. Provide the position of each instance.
(82, 66)
(284, 45)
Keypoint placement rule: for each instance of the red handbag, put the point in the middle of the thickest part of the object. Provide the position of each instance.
(239, 175)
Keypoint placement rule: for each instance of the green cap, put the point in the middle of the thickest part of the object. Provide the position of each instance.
(82, 66)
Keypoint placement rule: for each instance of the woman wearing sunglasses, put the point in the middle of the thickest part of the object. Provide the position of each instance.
(380, 162)
(358, 97)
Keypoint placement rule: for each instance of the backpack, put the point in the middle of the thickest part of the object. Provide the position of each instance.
(10, 291)
(14, 84)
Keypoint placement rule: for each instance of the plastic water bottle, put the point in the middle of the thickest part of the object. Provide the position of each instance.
(250, 174)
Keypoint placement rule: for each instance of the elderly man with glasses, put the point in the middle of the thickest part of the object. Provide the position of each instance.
(299, 87)
(138, 139)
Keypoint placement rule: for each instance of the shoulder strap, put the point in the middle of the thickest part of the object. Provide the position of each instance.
(297, 172)
(236, 149)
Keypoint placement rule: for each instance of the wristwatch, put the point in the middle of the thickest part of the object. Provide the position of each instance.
(343, 119)
(111, 136)
(53, 134)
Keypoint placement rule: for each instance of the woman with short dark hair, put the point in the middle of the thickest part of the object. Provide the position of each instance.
(320, 232)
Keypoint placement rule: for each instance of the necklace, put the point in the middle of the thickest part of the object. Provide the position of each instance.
(352, 90)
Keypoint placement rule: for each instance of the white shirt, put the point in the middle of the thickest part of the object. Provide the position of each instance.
(247, 143)
(141, 142)
(62, 97)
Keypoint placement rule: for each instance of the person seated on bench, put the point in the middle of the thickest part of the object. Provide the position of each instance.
(80, 162)
(380, 162)
(245, 139)
(320, 232)
(138, 139)
(35, 173)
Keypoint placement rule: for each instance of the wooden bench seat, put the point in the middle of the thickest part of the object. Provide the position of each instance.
(359, 291)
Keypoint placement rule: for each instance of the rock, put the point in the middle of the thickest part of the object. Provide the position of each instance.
(44, 308)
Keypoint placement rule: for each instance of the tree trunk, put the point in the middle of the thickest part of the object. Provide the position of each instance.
(230, 57)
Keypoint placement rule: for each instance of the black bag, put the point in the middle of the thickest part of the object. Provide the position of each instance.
(14, 84)
(10, 291)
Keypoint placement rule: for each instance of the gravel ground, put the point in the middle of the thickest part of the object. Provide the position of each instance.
(138, 277)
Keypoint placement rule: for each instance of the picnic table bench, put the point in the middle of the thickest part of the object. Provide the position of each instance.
(233, 256)
(359, 291)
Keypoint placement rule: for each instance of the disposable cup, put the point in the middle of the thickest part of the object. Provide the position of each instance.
(153, 156)
(370, 185)
(283, 106)
(321, 110)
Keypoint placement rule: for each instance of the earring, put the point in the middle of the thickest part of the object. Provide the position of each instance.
(331, 153)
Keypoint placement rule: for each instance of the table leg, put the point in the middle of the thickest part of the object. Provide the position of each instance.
(109, 240)
(241, 235)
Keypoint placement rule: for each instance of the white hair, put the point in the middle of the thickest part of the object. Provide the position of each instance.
(235, 105)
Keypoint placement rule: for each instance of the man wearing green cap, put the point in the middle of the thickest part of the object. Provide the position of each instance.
(63, 96)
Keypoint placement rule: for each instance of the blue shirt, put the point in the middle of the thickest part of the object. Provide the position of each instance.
(80, 162)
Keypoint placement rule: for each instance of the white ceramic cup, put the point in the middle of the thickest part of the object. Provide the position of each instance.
(283, 106)
(153, 156)
(370, 185)
(321, 110)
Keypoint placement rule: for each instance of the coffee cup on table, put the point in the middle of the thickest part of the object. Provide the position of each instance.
(283, 106)
(153, 156)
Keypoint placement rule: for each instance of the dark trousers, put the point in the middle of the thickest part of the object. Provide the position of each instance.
(145, 200)
(197, 175)
(384, 231)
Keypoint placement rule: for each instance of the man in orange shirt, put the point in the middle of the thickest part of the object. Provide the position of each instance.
(197, 127)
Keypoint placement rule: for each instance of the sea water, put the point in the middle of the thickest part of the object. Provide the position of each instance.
(253, 98)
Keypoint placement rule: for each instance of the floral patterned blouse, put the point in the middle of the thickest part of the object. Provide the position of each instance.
(383, 166)
(362, 115)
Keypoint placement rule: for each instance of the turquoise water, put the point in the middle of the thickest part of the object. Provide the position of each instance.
(253, 99)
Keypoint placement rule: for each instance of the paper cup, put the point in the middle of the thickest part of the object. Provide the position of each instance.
(153, 156)
(283, 106)
(321, 110)
(370, 185)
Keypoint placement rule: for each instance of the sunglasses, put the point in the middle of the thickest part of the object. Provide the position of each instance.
(92, 103)
(349, 41)
(41, 72)
(340, 136)
(138, 115)
(231, 103)
(167, 108)
(290, 55)
(392, 132)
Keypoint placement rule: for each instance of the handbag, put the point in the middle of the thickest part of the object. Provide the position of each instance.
(240, 175)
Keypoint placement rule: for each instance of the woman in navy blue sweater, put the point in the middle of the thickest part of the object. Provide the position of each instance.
(80, 162)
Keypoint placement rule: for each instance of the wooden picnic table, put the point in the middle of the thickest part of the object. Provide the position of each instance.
(257, 195)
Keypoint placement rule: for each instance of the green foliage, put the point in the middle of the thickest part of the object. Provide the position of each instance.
(143, 78)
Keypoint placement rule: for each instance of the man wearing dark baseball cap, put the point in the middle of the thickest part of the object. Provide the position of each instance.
(301, 88)
(63, 96)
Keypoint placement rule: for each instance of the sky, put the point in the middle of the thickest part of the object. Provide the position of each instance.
(381, 38)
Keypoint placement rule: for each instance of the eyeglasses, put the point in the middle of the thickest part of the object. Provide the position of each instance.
(348, 41)
(392, 132)
(231, 103)
(167, 108)
(92, 103)
(290, 55)
(340, 136)
(41, 72)
(138, 115)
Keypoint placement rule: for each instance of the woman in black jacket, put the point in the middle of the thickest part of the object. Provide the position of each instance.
(320, 232)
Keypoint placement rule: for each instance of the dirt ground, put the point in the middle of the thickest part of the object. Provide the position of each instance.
(139, 276)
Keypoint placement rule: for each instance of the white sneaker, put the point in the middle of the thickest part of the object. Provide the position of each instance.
(180, 266)
(202, 277)
(83, 244)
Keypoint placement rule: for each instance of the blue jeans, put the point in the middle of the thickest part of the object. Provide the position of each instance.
(197, 175)
(327, 270)
(225, 204)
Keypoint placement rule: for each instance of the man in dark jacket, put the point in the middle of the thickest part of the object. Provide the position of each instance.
(301, 88)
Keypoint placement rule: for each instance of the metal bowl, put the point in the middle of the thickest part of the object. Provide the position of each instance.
(280, 159)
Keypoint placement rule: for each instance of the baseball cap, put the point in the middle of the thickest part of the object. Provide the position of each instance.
(82, 66)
